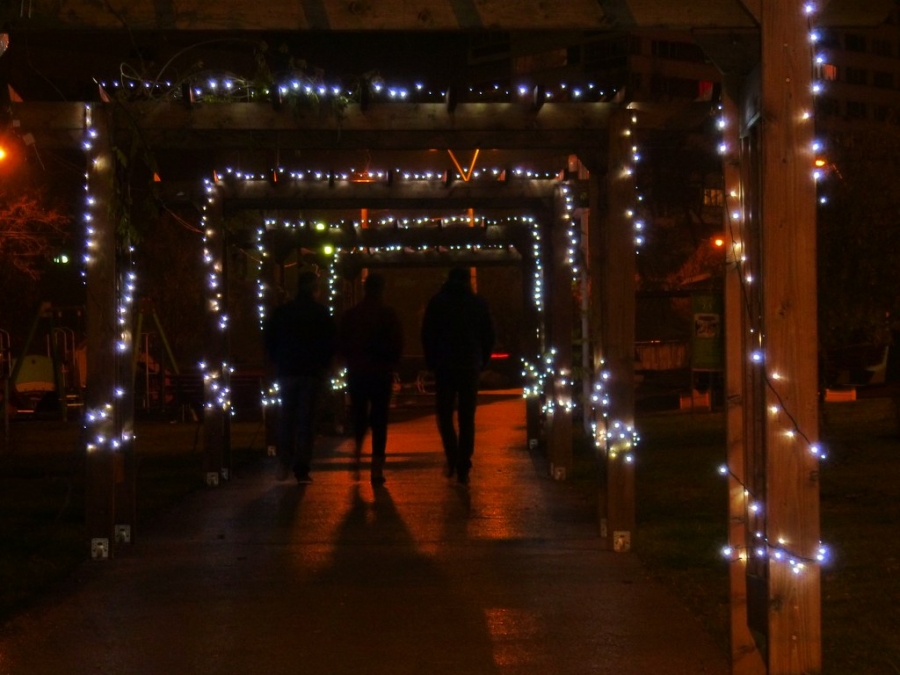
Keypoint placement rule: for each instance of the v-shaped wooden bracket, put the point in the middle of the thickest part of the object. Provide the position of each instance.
(466, 175)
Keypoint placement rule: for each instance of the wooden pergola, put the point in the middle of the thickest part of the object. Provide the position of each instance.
(763, 50)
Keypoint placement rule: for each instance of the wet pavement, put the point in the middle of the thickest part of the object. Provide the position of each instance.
(503, 577)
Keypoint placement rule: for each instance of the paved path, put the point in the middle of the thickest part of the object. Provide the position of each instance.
(505, 577)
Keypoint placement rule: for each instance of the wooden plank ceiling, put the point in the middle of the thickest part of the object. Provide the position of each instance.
(352, 15)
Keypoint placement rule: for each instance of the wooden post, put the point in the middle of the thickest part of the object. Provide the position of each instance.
(126, 486)
(746, 658)
(216, 397)
(103, 463)
(559, 306)
(587, 357)
(790, 343)
(533, 337)
(272, 276)
(596, 261)
(617, 300)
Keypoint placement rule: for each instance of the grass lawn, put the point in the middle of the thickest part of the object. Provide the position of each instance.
(682, 519)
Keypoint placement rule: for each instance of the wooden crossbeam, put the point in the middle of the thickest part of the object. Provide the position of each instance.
(566, 128)
(394, 126)
(339, 15)
(524, 196)
(388, 126)
(502, 236)
(426, 15)
(442, 257)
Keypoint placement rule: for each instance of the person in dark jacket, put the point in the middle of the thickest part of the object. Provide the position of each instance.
(370, 340)
(457, 338)
(300, 340)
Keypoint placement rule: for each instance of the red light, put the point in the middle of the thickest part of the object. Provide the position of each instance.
(499, 356)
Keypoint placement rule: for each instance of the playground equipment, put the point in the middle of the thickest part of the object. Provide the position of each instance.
(156, 377)
(52, 381)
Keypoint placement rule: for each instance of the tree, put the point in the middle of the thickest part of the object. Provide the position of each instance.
(31, 231)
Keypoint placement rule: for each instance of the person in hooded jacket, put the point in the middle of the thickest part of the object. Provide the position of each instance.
(457, 339)
(299, 339)
(370, 341)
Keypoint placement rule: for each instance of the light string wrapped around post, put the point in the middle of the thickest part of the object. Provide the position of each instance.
(536, 375)
(616, 437)
(764, 547)
(561, 376)
(101, 422)
(216, 376)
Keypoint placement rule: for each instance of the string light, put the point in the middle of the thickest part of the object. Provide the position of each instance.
(100, 422)
(763, 548)
(305, 90)
(536, 377)
(369, 175)
(616, 437)
(216, 378)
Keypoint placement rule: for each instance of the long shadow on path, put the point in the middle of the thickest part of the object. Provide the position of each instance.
(421, 576)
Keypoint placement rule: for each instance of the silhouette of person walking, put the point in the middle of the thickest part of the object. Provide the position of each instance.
(457, 338)
(370, 340)
(300, 340)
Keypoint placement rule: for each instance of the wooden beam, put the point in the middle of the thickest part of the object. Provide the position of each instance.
(788, 221)
(219, 130)
(104, 467)
(753, 8)
(616, 278)
(522, 196)
(746, 658)
(126, 525)
(566, 128)
(339, 15)
(559, 307)
(420, 237)
(493, 199)
(216, 402)
(388, 126)
(533, 341)
(353, 262)
(272, 277)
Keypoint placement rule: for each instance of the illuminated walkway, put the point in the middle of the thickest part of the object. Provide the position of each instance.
(419, 577)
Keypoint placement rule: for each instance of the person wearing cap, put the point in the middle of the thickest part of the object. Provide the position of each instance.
(300, 340)
(370, 342)
(457, 339)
